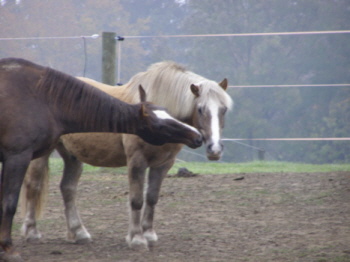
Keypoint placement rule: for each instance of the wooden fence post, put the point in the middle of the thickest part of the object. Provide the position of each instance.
(261, 154)
(108, 57)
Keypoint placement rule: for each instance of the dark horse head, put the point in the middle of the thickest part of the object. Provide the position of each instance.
(157, 127)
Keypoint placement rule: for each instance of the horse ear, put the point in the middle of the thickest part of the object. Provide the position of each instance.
(142, 94)
(143, 111)
(195, 90)
(224, 84)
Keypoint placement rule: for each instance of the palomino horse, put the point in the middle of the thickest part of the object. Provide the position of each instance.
(189, 97)
(39, 104)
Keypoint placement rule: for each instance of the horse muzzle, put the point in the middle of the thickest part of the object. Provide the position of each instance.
(214, 152)
(196, 142)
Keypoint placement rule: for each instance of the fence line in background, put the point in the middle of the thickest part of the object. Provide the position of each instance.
(94, 36)
(242, 34)
(290, 139)
(278, 86)
(261, 151)
(121, 38)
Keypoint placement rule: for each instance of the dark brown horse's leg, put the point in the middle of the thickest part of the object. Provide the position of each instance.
(14, 168)
(1, 183)
(155, 179)
(69, 183)
(136, 172)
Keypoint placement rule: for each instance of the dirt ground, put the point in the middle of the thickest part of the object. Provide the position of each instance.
(232, 217)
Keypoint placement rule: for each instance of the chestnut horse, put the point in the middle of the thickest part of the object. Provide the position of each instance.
(189, 97)
(39, 104)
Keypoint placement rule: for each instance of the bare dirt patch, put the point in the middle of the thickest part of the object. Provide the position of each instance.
(232, 217)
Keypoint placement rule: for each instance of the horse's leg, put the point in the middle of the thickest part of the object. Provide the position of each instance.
(12, 175)
(33, 195)
(155, 178)
(136, 173)
(71, 174)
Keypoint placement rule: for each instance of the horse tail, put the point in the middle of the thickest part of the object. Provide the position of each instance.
(34, 191)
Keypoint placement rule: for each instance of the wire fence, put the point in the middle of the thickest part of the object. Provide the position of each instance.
(234, 140)
(261, 152)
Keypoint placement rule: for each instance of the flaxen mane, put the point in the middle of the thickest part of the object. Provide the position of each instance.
(175, 82)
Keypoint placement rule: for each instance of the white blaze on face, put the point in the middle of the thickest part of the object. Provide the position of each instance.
(215, 127)
(161, 114)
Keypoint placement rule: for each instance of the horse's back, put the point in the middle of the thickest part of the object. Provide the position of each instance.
(116, 91)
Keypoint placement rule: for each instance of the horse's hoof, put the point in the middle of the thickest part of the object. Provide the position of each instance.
(83, 241)
(81, 236)
(32, 235)
(33, 240)
(138, 242)
(151, 237)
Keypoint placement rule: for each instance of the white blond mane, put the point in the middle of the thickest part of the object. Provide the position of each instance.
(168, 84)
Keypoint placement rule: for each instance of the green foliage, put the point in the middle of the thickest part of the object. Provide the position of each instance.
(56, 167)
(267, 60)
(278, 112)
(38, 18)
(257, 167)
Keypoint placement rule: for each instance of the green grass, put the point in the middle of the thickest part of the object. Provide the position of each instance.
(56, 167)
(258, 166)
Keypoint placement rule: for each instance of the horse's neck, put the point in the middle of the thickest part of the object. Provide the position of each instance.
(103, 113)
(115, 120)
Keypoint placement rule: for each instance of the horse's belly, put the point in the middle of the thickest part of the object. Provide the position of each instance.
(97, 149)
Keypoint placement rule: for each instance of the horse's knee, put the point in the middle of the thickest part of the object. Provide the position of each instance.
(68, 191)
(33, 188)
(136, 203)
(10, 207)
(152, 198)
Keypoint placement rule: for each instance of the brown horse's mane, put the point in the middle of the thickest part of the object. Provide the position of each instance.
(79, 100)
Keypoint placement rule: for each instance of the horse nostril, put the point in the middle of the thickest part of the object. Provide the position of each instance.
(212, 149)
(198, 141)
(209, 147)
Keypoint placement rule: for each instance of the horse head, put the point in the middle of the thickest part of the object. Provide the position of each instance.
(209, 119)
(158, 127)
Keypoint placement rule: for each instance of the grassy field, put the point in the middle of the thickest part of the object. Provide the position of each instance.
(56, 167)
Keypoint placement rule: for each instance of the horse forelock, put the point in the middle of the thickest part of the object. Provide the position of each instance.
(213, 93)
(168, 84)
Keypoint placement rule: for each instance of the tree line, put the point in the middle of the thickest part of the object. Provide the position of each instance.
(257, 60)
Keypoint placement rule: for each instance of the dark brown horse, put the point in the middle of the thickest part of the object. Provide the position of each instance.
(39, 104)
